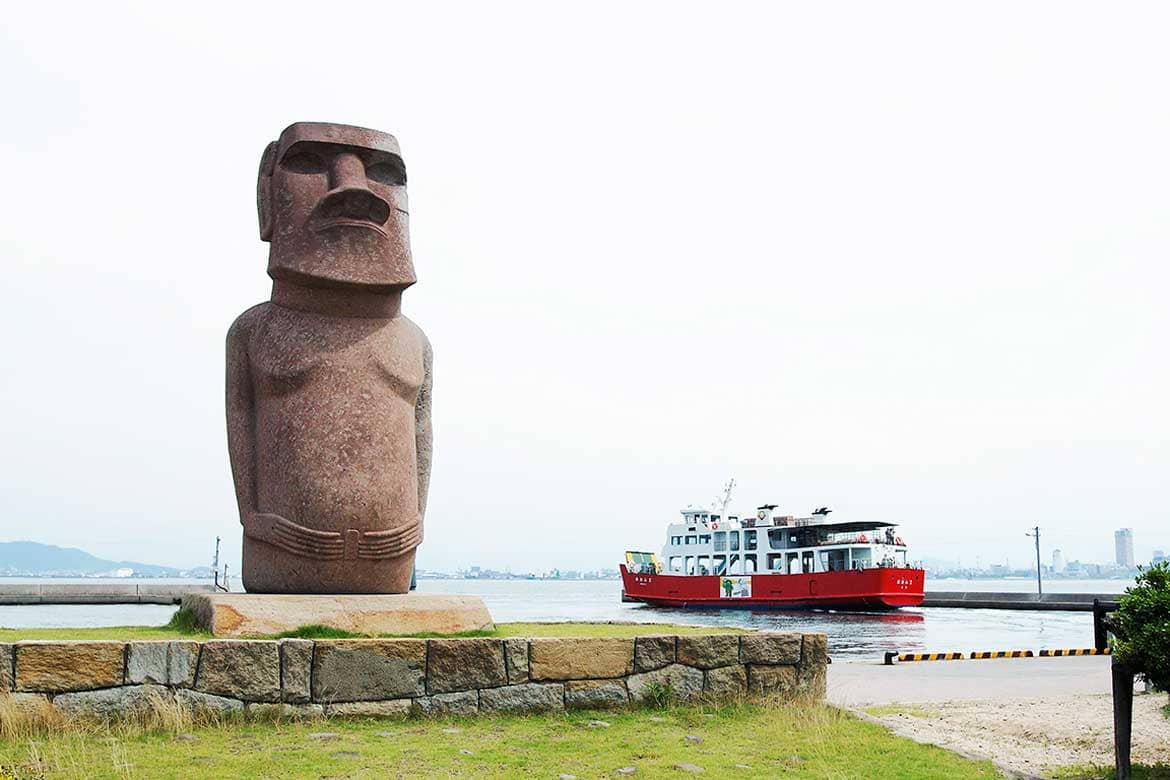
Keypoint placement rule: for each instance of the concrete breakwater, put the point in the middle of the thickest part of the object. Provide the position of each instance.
(98, 593)
(1066, 602)
(400, 677)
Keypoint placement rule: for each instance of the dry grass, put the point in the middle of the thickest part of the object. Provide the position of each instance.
(31, 716)
(26, 716)
(774, 739)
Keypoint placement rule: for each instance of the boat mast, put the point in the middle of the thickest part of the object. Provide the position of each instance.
(723, 501)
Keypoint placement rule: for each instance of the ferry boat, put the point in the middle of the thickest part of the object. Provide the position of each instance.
(712, 559)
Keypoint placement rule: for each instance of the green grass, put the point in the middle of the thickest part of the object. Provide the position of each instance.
(182, 627)
(797, 741)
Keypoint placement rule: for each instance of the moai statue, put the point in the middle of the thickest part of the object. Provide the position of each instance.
(328, 385)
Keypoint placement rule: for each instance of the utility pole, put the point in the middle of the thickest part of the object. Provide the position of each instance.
(215, 566)
(1035, 534)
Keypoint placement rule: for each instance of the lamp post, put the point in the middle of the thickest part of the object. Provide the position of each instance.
(1035, 534)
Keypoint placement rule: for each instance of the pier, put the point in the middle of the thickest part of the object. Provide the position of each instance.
(81, 593)
(1067, 602)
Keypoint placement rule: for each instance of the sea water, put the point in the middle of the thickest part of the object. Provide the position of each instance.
(852, 634)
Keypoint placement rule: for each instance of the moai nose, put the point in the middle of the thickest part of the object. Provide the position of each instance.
(347, 171)
(349, 196)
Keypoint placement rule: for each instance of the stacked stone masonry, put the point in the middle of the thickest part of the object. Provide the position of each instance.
(401, 677)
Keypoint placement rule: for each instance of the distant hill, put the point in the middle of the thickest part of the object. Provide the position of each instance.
(33, 559)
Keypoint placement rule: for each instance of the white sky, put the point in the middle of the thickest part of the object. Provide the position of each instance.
(905, 259)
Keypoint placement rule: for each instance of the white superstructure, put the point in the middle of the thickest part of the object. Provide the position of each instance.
(713, 542)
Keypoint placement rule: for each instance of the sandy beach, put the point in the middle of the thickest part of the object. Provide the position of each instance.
(1029, 716)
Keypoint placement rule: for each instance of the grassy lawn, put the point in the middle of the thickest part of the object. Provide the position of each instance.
(180, 628)
(799, 741)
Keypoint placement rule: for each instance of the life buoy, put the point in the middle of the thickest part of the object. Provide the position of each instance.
(714, 526)
(863, 539)
(898, 541)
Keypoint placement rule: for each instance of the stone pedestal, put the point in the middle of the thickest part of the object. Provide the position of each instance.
(257, 614)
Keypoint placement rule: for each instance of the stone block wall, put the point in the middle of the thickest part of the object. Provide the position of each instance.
(398, 677)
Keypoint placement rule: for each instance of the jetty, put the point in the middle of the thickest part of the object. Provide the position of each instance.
(1067, 602)
(81, 593)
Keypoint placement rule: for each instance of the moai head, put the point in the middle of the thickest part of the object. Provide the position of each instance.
(332, 203)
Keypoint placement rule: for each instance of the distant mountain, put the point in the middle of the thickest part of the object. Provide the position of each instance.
(33, 559)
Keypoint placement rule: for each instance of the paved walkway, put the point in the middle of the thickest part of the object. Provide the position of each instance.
(859, 683)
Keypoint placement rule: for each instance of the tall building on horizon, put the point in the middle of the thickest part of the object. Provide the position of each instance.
(1057, 561)
(1123, 545)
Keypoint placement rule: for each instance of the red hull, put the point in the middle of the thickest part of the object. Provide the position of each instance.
(858, 588)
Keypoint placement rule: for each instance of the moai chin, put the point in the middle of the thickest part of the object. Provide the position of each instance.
(328, 385)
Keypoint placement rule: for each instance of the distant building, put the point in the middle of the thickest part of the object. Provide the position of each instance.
(1057, 561)
(1123, 544)
(1160, 556)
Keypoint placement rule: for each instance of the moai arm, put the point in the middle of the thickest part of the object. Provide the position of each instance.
(422, 431)
(241, 418)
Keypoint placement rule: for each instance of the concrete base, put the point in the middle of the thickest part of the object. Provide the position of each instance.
(258, 614)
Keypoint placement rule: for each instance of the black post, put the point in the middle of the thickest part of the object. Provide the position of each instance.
(1122, 718)
(1100, 635)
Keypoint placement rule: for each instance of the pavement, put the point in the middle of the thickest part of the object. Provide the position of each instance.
(864, 683)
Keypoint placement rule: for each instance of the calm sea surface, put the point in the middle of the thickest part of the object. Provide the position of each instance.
(852, 635)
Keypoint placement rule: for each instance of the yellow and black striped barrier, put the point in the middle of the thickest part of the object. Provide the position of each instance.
(977, 655)
(930, 657)
(980, 655)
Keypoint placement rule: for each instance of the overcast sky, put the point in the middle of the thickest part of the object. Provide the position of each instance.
(907, 260)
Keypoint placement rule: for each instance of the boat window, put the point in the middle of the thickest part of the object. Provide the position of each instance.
(720, 541)
(691, 539)
(807, 564)
(704, 565)
(690, 565)
(676, 540)
(735, 565)
(862, 557)
(704, 538)
(793, 563)
(734, 536)
(720, 562)
(676, 563)
(749, 540)
(833, 560)
(776, 539)
(749, 564)
(776, 562)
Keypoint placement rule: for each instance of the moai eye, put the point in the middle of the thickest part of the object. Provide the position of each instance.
(303, 162)
(386, 173)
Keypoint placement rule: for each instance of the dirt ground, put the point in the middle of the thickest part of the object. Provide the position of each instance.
(1033, 736)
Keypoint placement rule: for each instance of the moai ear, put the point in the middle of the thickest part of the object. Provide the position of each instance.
(264, 191)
